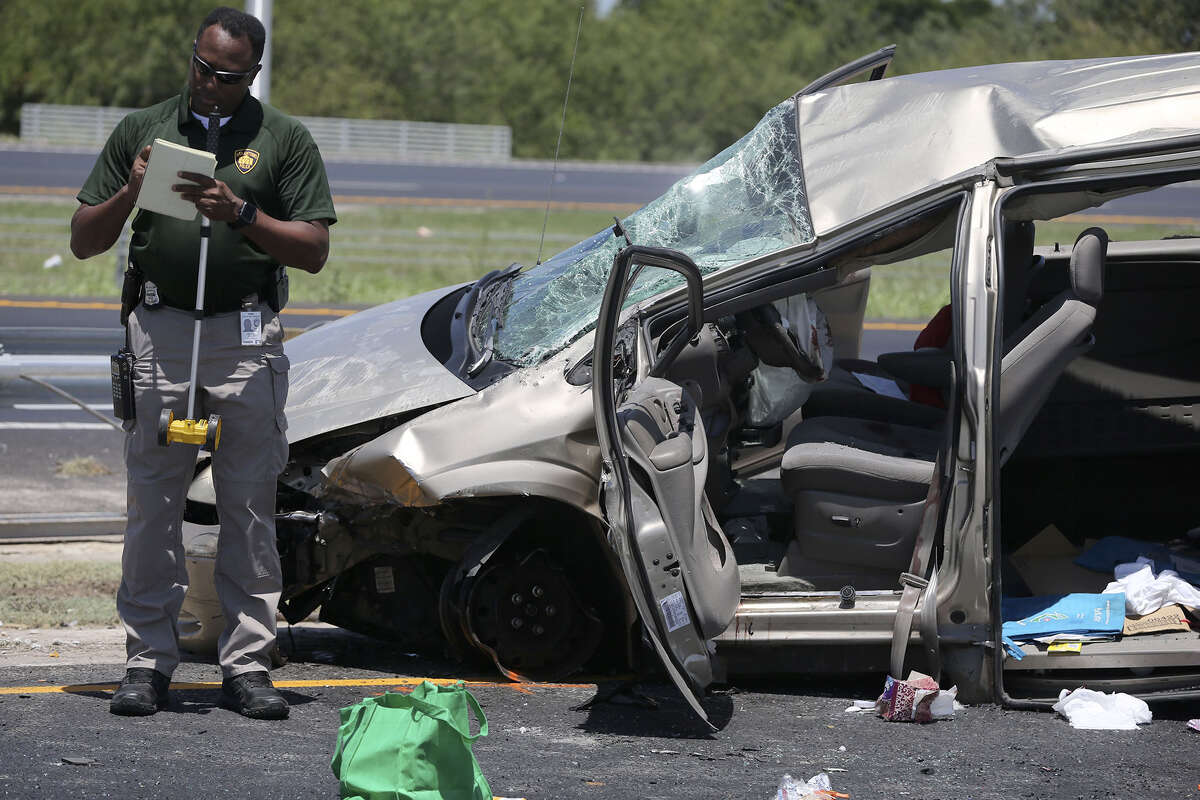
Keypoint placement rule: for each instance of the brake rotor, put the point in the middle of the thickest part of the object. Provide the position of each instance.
(526, 615)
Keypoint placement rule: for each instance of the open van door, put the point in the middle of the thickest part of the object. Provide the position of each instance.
(677, 562)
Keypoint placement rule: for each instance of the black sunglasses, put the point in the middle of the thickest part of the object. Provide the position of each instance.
(206, 70)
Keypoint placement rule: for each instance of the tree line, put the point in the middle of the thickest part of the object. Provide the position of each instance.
(656, 80)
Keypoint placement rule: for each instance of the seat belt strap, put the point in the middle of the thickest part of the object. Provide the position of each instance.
(912, 581)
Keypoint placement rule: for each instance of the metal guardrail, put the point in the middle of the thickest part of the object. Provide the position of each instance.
(69, 125)
(81, 126)
(403, 140)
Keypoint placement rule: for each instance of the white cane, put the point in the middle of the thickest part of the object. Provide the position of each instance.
(190, 430)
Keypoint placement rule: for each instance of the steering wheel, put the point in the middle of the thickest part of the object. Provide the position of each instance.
(773, 343)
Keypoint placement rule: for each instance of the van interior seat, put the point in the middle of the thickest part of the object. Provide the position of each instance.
(859, 486)
(843, 395)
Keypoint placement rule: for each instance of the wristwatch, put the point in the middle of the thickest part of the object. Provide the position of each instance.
(246, 216)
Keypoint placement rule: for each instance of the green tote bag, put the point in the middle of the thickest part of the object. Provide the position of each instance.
(411, 746)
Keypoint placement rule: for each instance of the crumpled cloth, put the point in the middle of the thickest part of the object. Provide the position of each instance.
(1146, 593)
(1092, 710)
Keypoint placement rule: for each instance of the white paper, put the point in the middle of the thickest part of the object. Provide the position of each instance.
(1091, 710)
(167, 160)
(884, 386)
(945, 704)
(1069, 637)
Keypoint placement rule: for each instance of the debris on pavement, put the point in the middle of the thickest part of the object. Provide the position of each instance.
(1091, 710)
(861, 706)
(79, 761)
(1194, 724)
(818, 787)
(918, 698)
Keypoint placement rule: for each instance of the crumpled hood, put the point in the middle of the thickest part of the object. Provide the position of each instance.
(366, 366)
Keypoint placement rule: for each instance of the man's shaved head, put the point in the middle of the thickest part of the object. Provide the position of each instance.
(237, 24)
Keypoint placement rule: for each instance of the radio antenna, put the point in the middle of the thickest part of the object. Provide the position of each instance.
(562, 124)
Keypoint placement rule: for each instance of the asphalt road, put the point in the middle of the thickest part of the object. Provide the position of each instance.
(541, 746)
(524, 182)
(518, 182)
(40, 432)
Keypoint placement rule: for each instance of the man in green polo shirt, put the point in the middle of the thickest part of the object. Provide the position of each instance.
(270, 205)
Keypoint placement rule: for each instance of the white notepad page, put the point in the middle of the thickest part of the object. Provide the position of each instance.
(167, 160)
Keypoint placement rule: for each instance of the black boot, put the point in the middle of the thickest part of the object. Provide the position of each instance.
(252, 694)
(141, 693)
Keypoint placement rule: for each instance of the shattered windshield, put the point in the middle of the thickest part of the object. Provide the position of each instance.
(747, 201)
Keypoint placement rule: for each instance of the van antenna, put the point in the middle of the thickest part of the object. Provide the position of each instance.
(562, 124)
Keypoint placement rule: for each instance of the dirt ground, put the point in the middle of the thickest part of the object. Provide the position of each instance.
(64, 644)
(94, 551)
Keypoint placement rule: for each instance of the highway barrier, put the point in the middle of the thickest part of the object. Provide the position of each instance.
(371, 139)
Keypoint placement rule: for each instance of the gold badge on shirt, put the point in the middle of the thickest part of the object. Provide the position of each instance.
(245, 160)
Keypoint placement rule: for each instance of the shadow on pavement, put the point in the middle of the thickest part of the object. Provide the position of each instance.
(651, 710)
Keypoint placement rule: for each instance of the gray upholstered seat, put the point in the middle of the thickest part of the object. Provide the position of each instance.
(842, 395)
(861, 457)
(859, 486)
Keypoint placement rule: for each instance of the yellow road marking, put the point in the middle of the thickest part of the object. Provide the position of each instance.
(74, 304)
(57, 190)
(524, 688)
(1130, 219)
(894, 326)
(321, 312)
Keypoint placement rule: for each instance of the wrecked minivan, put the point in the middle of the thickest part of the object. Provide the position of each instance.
(666, 436)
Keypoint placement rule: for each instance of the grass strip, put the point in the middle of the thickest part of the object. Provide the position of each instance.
(49, 594)
(381, 252)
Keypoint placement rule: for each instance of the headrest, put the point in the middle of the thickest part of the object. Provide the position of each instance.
(1087, 265)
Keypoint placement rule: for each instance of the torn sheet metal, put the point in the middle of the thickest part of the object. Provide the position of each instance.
(532, 434)
(365, 366)
(867, 145)
(371, 474)
(746, 202)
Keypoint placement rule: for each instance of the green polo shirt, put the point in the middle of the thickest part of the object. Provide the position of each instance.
(264, 156)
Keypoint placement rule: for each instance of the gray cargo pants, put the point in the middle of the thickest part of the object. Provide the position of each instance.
(247, 386)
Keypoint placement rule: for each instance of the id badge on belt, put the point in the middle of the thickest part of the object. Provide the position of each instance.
(251, 325)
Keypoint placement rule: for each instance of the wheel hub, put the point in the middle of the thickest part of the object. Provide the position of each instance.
(526, 616)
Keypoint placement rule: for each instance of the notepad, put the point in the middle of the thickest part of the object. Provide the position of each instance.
(167, 160)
